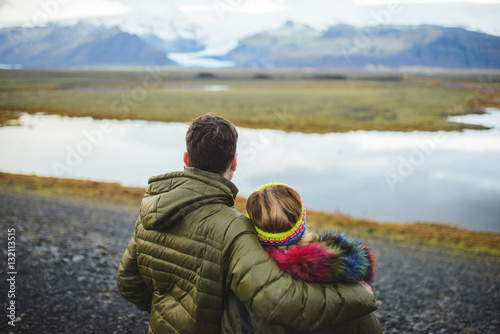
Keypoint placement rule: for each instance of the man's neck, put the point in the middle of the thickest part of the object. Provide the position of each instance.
(228, 174)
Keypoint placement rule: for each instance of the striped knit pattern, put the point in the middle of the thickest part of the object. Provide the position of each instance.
(283, 238)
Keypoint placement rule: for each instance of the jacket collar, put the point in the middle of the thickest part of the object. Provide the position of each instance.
(216, 177)
(170, 197)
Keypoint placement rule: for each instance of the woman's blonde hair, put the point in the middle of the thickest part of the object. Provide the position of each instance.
(275, 209)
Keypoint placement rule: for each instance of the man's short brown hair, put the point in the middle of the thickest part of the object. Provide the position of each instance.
(211, 143)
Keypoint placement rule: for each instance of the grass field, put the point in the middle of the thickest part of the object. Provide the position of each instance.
(286, 101)
(421, 234)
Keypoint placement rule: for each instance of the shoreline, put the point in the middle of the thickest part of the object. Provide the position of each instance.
(11, 118)
(424, 234)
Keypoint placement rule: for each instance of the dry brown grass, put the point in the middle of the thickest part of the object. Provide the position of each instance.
(430, 234)
(452, 238)
(113, 192)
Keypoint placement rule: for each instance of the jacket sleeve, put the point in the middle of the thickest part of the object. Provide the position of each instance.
(129, 280)
(276, 298)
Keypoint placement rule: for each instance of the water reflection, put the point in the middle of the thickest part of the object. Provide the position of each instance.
(200, 88)
(204, 88)
(451, 178)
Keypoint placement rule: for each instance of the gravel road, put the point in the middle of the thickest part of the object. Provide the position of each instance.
(67, 253)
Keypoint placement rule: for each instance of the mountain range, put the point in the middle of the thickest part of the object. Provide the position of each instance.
(385, 46)
(55, 46)
(138, 40)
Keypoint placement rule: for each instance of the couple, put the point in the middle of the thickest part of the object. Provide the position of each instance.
(199, 266)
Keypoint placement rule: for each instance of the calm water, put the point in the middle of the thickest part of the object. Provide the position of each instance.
(200, 88)
(451, 178)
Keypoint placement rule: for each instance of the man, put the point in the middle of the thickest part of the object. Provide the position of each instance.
(191, 251)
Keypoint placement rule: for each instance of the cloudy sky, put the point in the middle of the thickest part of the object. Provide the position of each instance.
(232, 19)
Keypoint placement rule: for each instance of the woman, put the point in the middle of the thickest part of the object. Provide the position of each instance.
(279, 217)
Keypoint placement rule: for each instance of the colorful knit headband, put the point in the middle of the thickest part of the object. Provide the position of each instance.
(286, 238)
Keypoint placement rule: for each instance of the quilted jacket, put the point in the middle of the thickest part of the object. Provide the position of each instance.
(191, 251)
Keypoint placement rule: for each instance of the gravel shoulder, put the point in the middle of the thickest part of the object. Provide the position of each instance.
(67, 254)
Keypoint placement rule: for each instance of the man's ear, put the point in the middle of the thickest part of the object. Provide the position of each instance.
(185, 159)
(234, 162)
(228, 174)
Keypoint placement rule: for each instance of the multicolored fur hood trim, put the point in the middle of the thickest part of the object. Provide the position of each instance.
(330, 257)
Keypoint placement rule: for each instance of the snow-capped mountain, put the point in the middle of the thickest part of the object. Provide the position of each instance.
(168, 31)
(291, 28)
(138, 38)
(382, 46)
(84, 44)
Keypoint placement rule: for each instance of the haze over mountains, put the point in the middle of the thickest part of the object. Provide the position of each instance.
(127, 41)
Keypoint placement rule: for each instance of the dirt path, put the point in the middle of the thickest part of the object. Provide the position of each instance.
(67, 253)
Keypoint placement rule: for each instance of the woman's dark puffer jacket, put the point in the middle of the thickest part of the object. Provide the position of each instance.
(191, 252)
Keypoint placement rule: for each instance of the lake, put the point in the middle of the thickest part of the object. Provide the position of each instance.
(446, 177)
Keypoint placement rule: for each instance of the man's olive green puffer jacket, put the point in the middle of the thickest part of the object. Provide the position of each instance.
(190, 248)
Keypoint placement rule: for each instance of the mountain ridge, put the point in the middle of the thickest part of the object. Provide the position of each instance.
(135, 39)
(57, 46)
(122, 41)
(391, 46)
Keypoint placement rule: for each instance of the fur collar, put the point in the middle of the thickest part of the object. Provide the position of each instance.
(330, 257)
